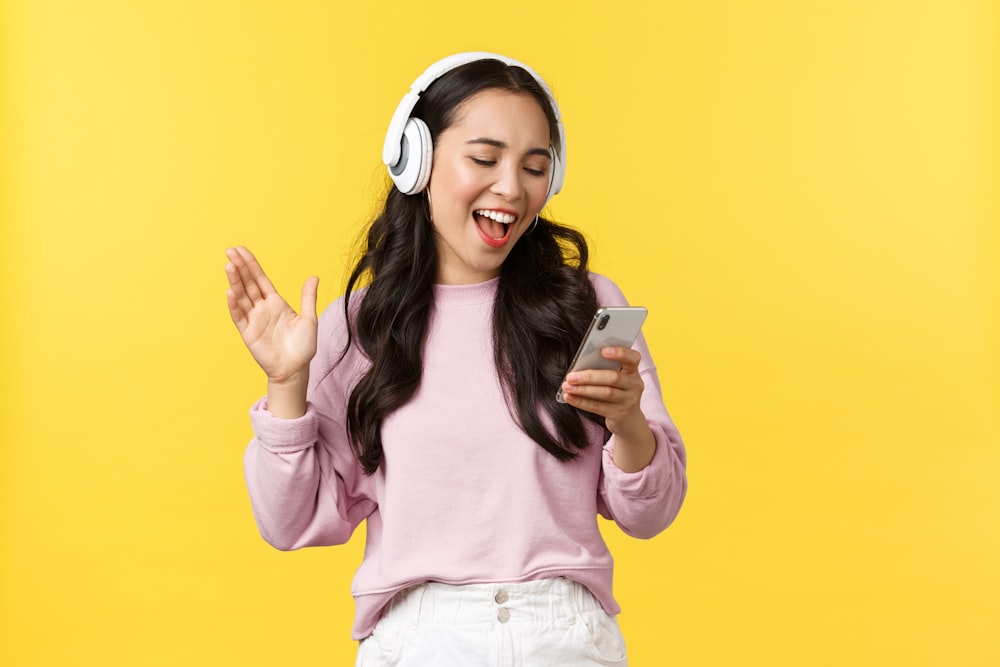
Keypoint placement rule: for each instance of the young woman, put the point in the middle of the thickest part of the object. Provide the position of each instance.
(423, 401)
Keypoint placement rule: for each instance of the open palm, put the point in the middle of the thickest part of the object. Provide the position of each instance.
(282, 341)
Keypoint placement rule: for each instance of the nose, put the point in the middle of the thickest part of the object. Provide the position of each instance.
(509, 182)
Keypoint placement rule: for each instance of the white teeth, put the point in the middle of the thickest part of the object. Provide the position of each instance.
(497, 216)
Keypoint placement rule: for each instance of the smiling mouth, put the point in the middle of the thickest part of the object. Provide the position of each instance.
(494, 224)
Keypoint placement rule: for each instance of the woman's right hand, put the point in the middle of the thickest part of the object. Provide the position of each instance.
(282, 341)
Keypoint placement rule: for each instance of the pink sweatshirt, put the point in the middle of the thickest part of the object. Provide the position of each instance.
(463, 496)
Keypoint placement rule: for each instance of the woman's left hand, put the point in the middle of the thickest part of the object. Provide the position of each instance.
(615, 395)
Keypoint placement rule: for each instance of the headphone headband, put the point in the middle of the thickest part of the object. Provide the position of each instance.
(409, 171)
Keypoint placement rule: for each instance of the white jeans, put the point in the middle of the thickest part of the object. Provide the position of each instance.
(549, 622)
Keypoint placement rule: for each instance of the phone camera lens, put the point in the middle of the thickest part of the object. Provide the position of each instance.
(604, 322)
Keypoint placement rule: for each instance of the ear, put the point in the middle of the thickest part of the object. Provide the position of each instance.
(413, 170)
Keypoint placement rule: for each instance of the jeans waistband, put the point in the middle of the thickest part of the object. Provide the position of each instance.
(542, 600)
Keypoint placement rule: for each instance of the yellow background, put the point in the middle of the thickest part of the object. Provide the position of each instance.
(803, 193)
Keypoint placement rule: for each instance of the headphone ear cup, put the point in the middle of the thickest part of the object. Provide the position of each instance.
(557, 174)
(413, 170)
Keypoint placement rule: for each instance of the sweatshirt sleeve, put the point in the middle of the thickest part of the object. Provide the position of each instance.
(306, 486)
(645, 502)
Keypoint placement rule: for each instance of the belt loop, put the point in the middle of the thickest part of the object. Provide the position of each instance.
(421, 590)
(575, 593)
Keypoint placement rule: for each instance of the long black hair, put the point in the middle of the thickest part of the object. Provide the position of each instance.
(543, 304)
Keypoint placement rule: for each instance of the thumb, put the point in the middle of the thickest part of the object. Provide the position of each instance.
(309, 290)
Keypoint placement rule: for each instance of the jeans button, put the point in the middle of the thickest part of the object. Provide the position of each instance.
(503, 615)
(501, 597)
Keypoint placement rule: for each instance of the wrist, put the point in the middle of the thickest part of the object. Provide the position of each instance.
(633, 427)
(286, 398)
(294, 380)
(635, 445)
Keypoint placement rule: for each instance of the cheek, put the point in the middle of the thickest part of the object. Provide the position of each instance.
(452, 188)
(536, 196)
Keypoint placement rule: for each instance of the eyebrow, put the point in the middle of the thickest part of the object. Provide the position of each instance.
(544, 152)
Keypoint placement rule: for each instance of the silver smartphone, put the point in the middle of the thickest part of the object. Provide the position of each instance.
(613, 326)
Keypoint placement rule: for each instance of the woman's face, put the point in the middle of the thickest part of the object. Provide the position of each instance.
(488, 181)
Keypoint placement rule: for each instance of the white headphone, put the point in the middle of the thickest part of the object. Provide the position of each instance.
(408, 149)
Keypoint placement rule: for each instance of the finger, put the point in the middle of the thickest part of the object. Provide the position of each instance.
(236, 297)
(309, 290)
(234, 278)
(247, 289)
(250, 284)
(593, 377)
(235, 283)
(256, 271)
(256, 283)
(604, 393)
(612, 403)
(236, 312)
(236, 293)
(628, 357)
(598, 407)
(604, 385)
(235, 258)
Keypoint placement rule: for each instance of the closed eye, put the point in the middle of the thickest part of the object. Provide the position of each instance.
(488, 162)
